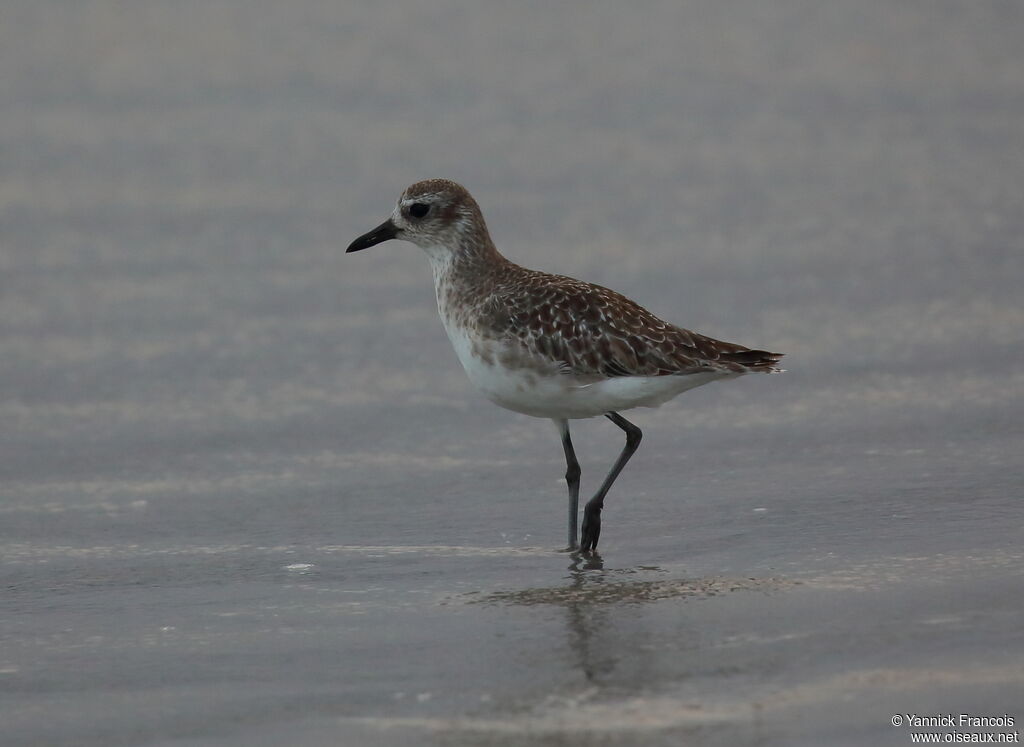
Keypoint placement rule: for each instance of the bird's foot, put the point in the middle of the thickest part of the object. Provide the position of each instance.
(591, 529)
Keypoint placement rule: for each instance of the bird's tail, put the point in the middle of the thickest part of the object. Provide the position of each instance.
(760, 361)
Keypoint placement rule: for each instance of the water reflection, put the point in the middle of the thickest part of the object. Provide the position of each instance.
(592, 592)
(584, 620)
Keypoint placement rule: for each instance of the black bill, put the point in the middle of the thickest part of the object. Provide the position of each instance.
(383, 232)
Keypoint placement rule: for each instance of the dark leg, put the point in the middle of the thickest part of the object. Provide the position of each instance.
(592, 511)
(572, 479)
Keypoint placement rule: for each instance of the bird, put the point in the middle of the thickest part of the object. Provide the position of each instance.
(550, 346)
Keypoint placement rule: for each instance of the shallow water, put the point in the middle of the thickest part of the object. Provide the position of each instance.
(249, 497)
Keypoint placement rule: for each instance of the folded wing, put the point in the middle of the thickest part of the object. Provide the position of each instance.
(591, 331)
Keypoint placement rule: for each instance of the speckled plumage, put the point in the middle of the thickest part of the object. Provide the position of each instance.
(548, 345)
(592, 331)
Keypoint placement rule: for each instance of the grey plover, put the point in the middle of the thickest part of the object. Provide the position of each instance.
(551, 346)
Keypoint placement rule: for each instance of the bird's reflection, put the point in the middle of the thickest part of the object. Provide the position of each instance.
(585, 561)
(586, 620)
(593, 593)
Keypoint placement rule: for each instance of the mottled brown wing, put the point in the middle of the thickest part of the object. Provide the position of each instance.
(589, 330)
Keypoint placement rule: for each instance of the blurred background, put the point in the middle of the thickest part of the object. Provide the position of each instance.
(224, 440)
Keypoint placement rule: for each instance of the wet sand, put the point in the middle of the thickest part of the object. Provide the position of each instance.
(249, 497)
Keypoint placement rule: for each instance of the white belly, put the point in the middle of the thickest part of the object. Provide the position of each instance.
(549, 393)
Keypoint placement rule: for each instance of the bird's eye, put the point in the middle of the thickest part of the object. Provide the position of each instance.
(419, 209)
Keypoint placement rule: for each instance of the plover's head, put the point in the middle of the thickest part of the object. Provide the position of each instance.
(437, 215)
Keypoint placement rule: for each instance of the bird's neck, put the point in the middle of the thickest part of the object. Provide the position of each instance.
(473, 261)
(465, 276)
